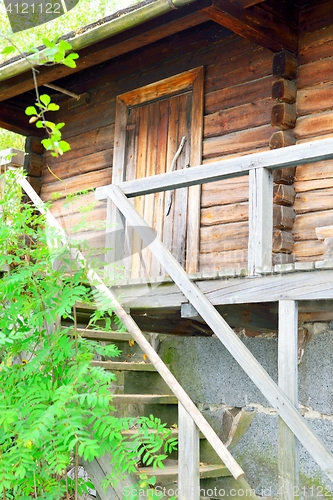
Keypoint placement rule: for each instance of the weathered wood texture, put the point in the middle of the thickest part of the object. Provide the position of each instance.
(288, 461)
(313, 204)
(237, 108)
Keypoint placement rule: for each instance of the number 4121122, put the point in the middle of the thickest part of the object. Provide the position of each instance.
(34, 8)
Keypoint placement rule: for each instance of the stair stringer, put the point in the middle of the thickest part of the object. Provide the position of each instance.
(98, 469)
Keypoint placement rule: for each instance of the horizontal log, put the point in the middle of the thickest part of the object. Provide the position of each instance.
(282, 139)
(85, 144)
(314, 201)
(285, 65)
(224, 237)
(76, 204)
(305, 224)
(241, 117)
(225, 192)
(311, 185)
(215, 261)
(283, 115)
(283, 195)
(88, 221)
(324, 232)
(237, 142)
(284, 90)
(80, 165)
(238, 70)
(287, 157)
(315, 73)
(283, 241)
(314, 125)
(312, 99)
(76, 183)
(238, 94)
(315, 45)
(283, 217)
(320, 170)
(309, 250)
(284, 175)
(222, 214)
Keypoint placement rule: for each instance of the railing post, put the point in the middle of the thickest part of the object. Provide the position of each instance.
(188, 457)
(260, 219)
(114, 240)
(288, 382)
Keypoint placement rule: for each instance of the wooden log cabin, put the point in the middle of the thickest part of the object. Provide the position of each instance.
(216, 117)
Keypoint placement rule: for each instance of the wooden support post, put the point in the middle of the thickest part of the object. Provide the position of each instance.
(260, 219)
(288, 382)
(114, 240)
(188, 457)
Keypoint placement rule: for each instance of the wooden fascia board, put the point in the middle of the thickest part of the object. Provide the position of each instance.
(255, 24)
(140, 36)
(303, 285)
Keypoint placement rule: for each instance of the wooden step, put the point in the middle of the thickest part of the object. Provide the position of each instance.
(102, 335)
(124, 366)
(174, 433)
(170, 472)
(144, 399)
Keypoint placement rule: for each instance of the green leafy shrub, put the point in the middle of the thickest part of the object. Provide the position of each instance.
(54, 405)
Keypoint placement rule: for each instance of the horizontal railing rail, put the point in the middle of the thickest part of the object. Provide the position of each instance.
(291, 156)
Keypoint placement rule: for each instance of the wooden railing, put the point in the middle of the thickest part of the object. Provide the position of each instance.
(259, 167)
(284, 398)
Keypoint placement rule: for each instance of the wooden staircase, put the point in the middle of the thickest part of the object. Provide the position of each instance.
(140, 390)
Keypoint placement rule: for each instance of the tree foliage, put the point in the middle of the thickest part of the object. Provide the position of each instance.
(54, 405)
(85, 12)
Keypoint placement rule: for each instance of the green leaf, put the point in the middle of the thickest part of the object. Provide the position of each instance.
(64, 45)
(69, 60)
(8, 50)
(45, 99)
(53, 107)
(31, 110)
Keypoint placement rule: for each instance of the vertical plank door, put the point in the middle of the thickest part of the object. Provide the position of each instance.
(150, 125)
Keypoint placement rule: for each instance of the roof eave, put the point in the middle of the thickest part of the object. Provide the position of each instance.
(106, 30)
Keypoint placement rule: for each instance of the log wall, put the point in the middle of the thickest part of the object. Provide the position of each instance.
(237, 120)
(314, 183)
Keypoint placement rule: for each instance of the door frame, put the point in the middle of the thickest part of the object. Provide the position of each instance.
(191, 80)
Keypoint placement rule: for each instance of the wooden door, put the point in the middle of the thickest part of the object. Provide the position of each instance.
(159, 127)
